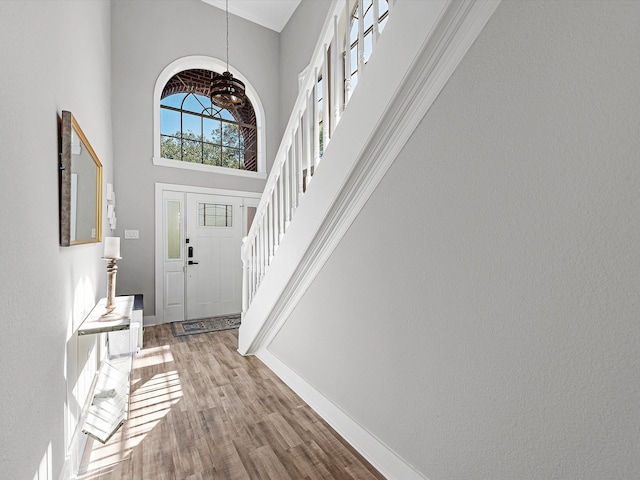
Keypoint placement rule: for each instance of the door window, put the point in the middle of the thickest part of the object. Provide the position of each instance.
(173, 230)
(215, 215)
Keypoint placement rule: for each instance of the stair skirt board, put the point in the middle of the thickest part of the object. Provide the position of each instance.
(385, 460)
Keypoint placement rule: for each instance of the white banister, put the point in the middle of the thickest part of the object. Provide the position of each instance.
(337, 77)
(360, 38)
(326, 101)
(270, 228)
(376, 21)
(273, 226)
(299, 153)
(295, 172)
(288, 203)
(299, 164)
(276, 213)
(263, 246)
(246, 274)
(347, 55)
(260, 258)
(274, 219)
(314, 113)
(281, 205)
(253, 277)
(308, 134)
(401, 85)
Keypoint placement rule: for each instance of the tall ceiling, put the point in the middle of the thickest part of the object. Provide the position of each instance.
(273, 14)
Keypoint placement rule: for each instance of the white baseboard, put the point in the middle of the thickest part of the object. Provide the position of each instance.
(385, 460)
(149, 321)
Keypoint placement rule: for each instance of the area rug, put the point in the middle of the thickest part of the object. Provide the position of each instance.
(206, 325)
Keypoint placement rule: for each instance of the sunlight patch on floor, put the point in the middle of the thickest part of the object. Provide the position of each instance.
(150, 401)
(153, 356)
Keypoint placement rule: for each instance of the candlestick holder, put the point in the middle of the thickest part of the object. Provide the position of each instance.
(112, 270)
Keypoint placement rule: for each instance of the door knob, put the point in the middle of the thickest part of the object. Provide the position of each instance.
(191, 262)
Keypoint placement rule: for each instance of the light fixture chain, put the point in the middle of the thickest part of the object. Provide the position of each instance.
(225, 91)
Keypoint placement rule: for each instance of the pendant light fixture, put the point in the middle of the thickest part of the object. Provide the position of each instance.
(226, 91)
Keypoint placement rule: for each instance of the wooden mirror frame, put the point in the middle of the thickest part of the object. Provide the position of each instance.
(69, 127)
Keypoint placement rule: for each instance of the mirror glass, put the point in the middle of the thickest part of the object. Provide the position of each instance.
(80, 186)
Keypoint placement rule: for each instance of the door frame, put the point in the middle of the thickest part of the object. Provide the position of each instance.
(248, 199)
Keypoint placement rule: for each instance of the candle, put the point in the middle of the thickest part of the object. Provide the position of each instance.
(111, 247)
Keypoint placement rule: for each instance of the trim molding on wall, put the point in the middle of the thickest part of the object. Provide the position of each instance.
(342, 185)
(385, 460)
(167, 162)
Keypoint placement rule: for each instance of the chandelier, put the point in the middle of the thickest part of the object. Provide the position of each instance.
(226, 91)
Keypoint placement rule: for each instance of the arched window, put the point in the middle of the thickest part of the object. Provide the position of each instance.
(194, 130)
(191, 133)
(365, 17)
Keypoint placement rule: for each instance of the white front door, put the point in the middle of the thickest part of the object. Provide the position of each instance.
(213, 279)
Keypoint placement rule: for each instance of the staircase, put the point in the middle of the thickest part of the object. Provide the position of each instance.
(335, 152)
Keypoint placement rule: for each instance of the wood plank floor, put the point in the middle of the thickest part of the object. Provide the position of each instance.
(200, 410)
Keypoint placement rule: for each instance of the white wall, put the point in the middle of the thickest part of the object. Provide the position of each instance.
(148, 36)
(54, 56)
(481, 315)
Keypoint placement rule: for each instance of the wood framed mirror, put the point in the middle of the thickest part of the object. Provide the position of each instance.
(80, 186)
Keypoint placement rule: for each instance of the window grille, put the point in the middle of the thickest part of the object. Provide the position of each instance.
(194, 130)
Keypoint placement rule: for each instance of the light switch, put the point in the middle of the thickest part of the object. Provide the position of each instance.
(131, 234)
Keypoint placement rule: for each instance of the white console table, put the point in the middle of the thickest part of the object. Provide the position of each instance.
(92, 324)
(109, 406)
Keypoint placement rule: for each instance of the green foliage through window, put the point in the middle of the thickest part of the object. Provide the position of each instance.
(193, 130)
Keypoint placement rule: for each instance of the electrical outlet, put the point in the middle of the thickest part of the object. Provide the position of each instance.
(131, 234)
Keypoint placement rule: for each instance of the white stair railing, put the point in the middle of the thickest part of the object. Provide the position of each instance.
(302, 145)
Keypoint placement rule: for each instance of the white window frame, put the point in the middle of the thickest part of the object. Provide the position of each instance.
(216, 65)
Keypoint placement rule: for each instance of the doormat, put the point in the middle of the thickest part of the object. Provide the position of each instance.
(206, 325)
